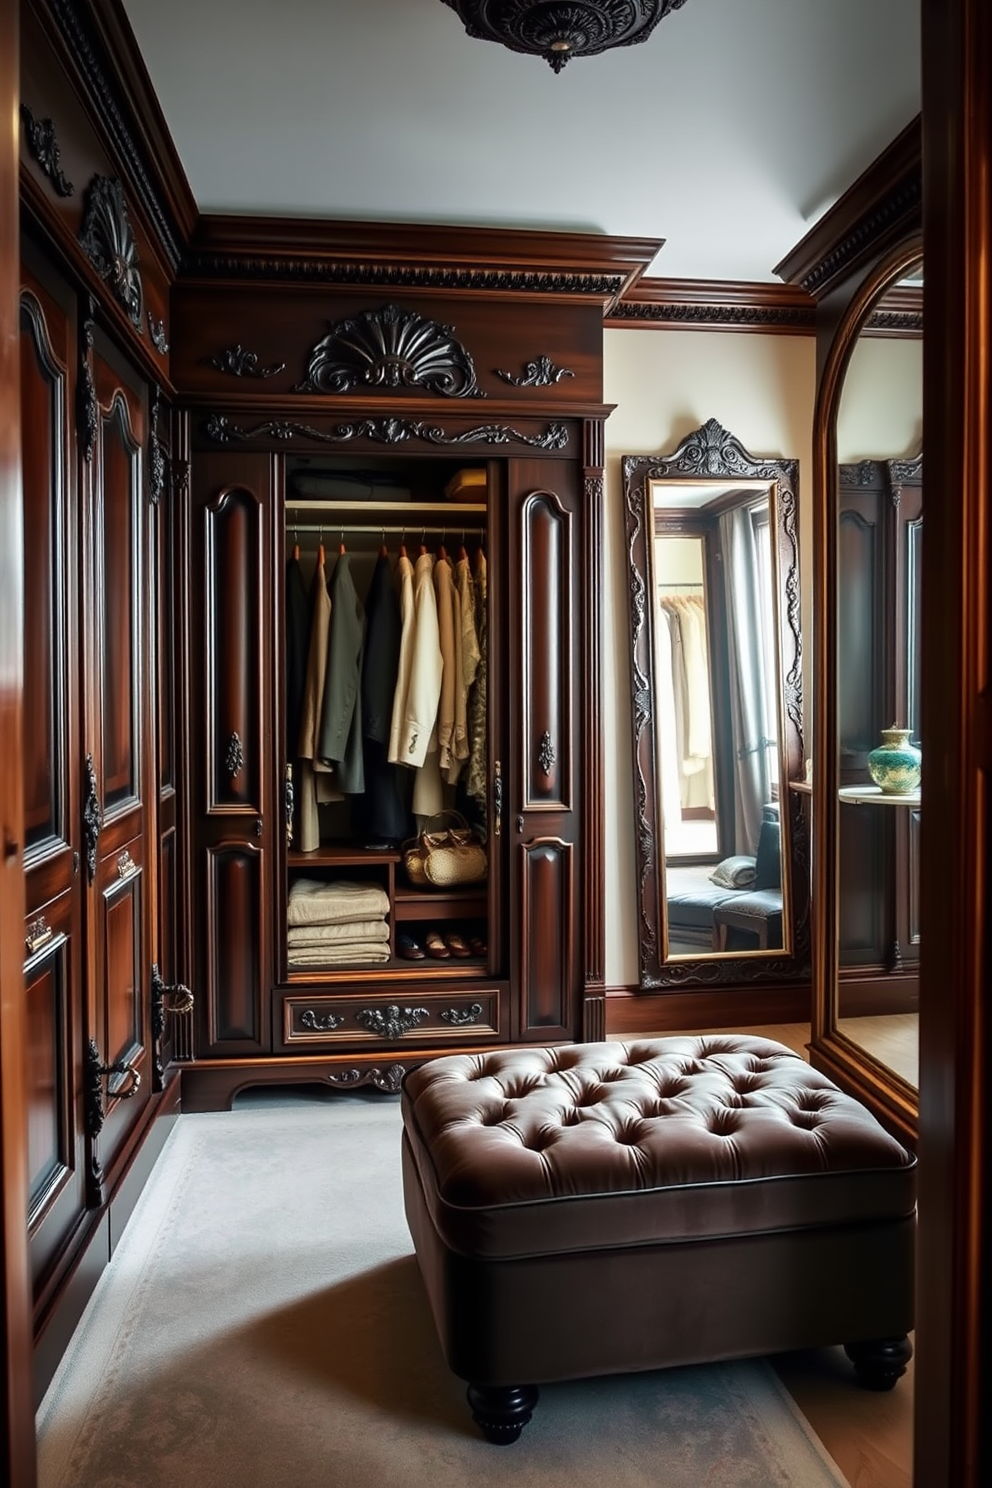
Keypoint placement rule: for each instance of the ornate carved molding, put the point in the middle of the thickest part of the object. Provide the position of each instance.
(391, 348)
(156, 459)
(709, 317)
(88, 413)
(107, 238)
(905, 200)
(92, 818)
(240, 363)
(44, 146)
(207, 265)
(156, 330)
(222, 430)
(387, 1080)
(729, 305)
(68, 15)
(541, 372)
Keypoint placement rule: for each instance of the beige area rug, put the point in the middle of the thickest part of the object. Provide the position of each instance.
(263, 1323)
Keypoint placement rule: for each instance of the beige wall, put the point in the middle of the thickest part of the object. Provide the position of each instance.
(881, 405)
(665, 384)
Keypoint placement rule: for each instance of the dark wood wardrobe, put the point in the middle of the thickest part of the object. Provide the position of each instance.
(185, 382)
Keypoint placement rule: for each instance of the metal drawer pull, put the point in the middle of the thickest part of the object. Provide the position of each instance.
(126, 866)
(39, 933)
(324, 1024)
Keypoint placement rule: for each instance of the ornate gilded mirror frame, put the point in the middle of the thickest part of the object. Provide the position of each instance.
(713, 455)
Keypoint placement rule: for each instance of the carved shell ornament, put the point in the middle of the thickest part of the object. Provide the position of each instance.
(108, 241)
(391, 348)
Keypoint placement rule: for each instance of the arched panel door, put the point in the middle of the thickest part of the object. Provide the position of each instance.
(544, 678)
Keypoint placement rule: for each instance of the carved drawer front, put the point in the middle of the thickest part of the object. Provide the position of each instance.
(409, 1016)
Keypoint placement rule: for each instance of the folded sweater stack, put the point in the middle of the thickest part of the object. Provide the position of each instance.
(337, 924)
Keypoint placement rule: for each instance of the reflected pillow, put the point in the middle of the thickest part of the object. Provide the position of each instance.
(734, 873)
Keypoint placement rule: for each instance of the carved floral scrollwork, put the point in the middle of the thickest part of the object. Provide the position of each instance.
(546, 755)
(223, 430)
(391, 348)
(387, 1080)
(156, 329)
(107, 238)
(156, 459)
(325, 1023)
(541, 372)
(240, 363)
(234, 759)
(92, 817)
(44, 146)
(460, 1017)
(391, 1022)
(88, 413)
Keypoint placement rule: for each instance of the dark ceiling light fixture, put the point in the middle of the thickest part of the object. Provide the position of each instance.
(559, 29)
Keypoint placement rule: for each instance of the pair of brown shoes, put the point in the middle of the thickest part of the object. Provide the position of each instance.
(442, 946)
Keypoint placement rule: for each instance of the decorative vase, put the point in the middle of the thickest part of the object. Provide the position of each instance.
(896, 764)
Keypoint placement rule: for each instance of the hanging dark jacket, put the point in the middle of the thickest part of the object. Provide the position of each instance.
(340, 739)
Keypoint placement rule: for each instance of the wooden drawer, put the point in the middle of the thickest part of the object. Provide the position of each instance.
(412, 1014)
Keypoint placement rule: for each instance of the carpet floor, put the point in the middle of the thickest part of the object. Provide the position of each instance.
(263, 1322)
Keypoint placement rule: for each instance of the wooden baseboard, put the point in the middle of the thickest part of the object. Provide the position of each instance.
(630, 1011)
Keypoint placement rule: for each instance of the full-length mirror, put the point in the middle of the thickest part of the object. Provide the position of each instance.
(872, 712)
(714, 623)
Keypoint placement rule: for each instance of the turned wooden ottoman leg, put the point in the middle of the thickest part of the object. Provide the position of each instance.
(502, 1411)
(879, 1362)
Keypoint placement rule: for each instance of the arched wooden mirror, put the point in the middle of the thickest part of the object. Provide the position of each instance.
(868, 440)
(713, 582)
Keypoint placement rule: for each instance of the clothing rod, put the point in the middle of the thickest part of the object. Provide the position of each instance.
(453, 529)
(391, 508)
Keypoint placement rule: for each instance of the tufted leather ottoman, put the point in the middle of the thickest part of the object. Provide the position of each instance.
(600, 1208)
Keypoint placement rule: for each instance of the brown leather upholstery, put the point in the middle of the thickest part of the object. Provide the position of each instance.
(605, 1207)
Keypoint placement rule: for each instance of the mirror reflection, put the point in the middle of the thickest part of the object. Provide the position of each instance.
(717, 696)
(712, 540)
(879, 528)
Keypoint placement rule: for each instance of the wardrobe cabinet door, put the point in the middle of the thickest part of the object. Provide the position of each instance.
(231, 679)
(543, 669)
(53, 972)
(118, 794)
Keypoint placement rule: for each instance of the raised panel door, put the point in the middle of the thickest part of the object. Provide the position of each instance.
(118, 781)
(53, 971)
(231, 672)
(543, 680)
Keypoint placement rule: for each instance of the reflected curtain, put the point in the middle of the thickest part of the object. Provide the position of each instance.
(668, 745)
(749, 680)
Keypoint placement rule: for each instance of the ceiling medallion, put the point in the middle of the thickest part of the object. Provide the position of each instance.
(559, 29)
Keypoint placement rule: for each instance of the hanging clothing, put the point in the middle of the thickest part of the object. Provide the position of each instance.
(297, 651)
(424, 690)
(312, 702)
(340, 738)
(444, 589)
(382, 816)
(404, 587)
(477, 780)
(470, 639)
(459, 732)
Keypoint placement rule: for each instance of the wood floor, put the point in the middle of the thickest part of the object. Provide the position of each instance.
(869, 1435)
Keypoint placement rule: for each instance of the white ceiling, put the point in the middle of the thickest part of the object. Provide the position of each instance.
(727, 133)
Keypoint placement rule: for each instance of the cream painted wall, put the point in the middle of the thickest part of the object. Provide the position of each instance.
(665, 384)
(881, 406)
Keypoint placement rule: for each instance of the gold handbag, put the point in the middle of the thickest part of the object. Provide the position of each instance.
(445, 857)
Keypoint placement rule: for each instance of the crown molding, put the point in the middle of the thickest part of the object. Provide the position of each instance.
(715, 305)
(417, 255)
(879, 209)
(98, 48)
